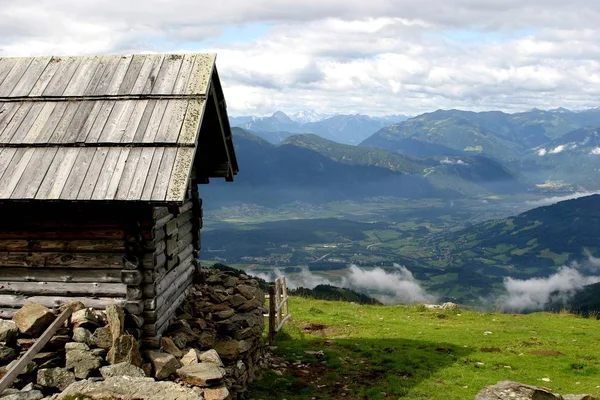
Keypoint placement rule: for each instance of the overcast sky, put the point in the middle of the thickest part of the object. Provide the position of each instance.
(343, 56)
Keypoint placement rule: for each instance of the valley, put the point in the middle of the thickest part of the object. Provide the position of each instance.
(440, 202)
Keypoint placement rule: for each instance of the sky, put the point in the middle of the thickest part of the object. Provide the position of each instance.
(373, 57)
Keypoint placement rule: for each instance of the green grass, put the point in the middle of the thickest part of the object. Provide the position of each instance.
(377, 352)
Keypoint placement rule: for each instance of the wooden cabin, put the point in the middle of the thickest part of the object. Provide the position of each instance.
(100, 161)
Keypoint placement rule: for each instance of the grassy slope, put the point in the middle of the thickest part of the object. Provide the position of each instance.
(376, 352)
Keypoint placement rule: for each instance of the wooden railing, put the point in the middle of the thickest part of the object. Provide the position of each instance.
(279, 311)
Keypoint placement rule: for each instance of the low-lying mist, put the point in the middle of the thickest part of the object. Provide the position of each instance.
(527, 295)
(396, 287)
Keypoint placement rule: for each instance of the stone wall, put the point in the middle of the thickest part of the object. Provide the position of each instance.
(213, 349)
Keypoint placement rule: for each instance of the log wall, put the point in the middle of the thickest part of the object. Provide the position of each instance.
(169, 264)
(53, 253)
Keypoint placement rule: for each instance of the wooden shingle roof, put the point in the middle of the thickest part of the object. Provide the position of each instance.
(124, 128)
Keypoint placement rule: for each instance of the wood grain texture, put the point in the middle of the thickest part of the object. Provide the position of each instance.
(30, 77)
(77, 174)
(14, 76)
(34, 174)
(93, 173)
(82, 76)
(64, 288)
(61, 78)
(61, 275)
(11, 177)
(180, 174)
(57, 174)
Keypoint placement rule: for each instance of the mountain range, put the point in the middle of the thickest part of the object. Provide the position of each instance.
(346, 129)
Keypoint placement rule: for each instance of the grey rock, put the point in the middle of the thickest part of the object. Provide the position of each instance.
(102, 338)
(7, 354)
(131, 388)
(164, 364)
(579, 397)
(211, 356)
(122, 369)
(8, 331)
(31, 395)
(84, 317)
(515, 391)
(202, 374)
(125, 349)
(81, 335)
(76, 346)
(247, 291)
(115, 316)
(82, 362)
(33, 319)
(58, 378)
(237, 300)
(182, 336)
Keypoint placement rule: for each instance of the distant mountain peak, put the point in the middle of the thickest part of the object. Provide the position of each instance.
(282, 117)
(304, 116)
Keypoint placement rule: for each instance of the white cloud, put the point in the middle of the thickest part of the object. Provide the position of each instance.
(555, 199)
(537, 293)
(398, 286)
(557, 149)
(350, 56)
(542, 152)
(595, 151)
(453, 162)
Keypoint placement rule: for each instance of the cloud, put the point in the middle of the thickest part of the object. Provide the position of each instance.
(453, 162)
(396, 287)
(557, 149)
(537, 293)
(348, 56)
(542, 152)
(555, 199)
(595, 151)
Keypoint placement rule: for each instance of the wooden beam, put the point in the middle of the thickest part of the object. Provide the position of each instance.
(61, 260)
(60, 275)
(12, 374)
(64, 288)
(17, 301)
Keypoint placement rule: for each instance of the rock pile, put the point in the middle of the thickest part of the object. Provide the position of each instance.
(222, 316)
(520, 391)
(212, 350)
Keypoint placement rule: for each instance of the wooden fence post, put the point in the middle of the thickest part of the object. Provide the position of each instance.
(271, 315)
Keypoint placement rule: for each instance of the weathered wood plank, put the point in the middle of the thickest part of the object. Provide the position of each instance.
(64, 288)
(184, 74)
(167, 75)
(113, 185)
(108, 169)
(133, 73)
(69, 234)
(144, 74)
(45, 77)
(6, 64)
(82, 76)
(155, 120)
(50, 126)
(57, 174)
(152, 174)
(119, 75)
(108, 71)
(13, 173)
(62, 77)
(144, 120)
(77, 174)
(61, 129)
(61, 275)
(164, 281)
(150, 80)
(93, 173)
(6, 156)
(33, 175)
(30, 77)
(117, 122)
(128, 173)
(14, 76)
(61, 260)
(167, 310)
(180, 174)
(100, 121)
(97, 72)
(27, 123)
(192, 122)
(38, 125)
(134, 121)
(172, 121)
(16, 301)
(141, 174)
(50, 245)
(74, 130)
(200, 74)
(7, 111)
(90, 119)
(164, 173)
(15, 122)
